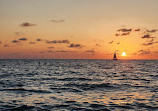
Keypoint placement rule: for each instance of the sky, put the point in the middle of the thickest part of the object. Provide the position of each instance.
(78, 29)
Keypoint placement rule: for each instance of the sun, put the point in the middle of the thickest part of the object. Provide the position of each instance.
(123, 53)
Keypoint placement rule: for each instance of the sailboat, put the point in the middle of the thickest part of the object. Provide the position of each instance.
(115, 58)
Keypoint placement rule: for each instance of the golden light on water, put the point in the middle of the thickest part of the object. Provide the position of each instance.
(123, 53)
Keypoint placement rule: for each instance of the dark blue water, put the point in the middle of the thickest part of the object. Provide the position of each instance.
(78, 85)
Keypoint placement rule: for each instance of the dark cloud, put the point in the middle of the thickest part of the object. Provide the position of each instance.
(146, 44)
(6, 45)
(15, 41)
(58, 41)
(152, 31)
(137, 30)
(144, 51)
(124, 30)
(147, 36)
(90, 51)
(0, 42)
(149, 43)
(31, 42)
(75, 46)
(65, 41)
(26, 24)
(23, 39)
(117, 34)
(60, 51)
(111, 42)
(39, 40)
(123, 34)
(58, 20)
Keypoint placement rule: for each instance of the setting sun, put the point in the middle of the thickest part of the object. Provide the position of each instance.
(123, 53)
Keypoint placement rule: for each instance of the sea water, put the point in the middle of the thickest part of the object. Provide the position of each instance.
(78, 85)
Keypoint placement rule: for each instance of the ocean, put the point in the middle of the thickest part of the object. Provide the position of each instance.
(78, 85)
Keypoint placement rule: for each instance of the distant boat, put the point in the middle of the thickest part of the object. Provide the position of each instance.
(115, 58)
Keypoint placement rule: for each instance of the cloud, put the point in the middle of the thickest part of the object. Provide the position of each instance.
(58, 41)
(90, 51)
(39, 40)
(19, 33)
(97, 45)
(147, 36)
(27, 24)
(123, 34)
(144, 51)
(58, 21)
(75, 46)
(155, 52)
(149, 43)
(152, 31)
(124, 30)
(6, 45)
(31, 42)
(117, 34)
(50, 47)
(118, 43)
(41, 52)
(0, 42)
(111, 42)
(137, 30)
(23, 39)
(60, 51)
(15, 41)
(146, 44)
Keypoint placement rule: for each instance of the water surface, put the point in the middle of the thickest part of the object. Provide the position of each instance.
(78, 85)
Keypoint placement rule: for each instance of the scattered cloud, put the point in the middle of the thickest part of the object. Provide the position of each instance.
(152, 31)
(144, 51)
(6, 45)
(123, 34)
(97, 45)
(111, 42)
(137, 30)
(39, 40)
(51, 47)
(75, 46)
(151, 40)
(23, 39)
(125, 30)
(41, 52)
(31, 42)
(60, 51)
(58, 41)
(117, 34)
(118, 43)
(149, 43)
(58, 21)
(27, 24)
(19, 33)
(15, 41)
(147, 36)
(146, 44)
(90, 51)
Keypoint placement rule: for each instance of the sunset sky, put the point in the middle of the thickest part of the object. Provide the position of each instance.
(78, 29)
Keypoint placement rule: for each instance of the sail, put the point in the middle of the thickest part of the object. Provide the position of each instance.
(115, 58)
(115, 55)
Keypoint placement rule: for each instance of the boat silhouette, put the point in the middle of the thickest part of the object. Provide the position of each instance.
(115, 58)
